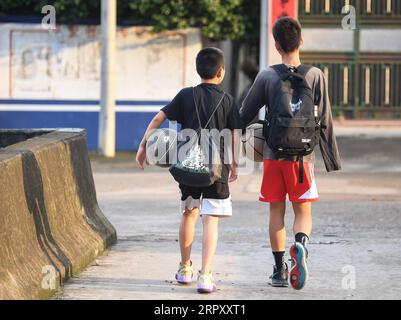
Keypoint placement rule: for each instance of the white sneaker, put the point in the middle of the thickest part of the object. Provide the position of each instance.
(206, 283)
(184, 274)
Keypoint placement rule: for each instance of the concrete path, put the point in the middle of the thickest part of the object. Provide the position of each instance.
(369, 128)
(354, 252)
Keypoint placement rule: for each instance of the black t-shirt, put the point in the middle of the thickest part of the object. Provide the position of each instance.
(182, 109)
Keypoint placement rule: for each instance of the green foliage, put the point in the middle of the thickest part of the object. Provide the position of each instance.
(68, 11)
(18, 7)
(71, 11)
(218, 19)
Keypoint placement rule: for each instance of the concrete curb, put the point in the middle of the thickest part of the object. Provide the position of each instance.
(368, 133)
(385, 129)
(51, 226)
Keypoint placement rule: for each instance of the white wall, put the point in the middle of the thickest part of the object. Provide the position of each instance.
(328, 40)
(379, 40)
(65, 64)
(339, 40)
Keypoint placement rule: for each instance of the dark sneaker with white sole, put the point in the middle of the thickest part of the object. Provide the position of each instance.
(299, 269)
(279, 279)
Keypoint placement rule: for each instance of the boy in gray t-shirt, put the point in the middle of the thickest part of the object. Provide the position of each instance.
(282, 175)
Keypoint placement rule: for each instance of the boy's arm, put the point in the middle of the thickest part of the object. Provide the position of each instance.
(255, 100)
(235, 156)
(156, 122)
(328, 142)
(235, 125)
(172, 112)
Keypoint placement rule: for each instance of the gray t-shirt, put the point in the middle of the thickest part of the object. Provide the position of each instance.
(263, 92)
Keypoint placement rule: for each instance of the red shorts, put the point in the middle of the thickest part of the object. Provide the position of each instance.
(281, 177)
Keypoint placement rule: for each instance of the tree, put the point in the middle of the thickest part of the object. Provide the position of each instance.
(68, 11)
(218, 19)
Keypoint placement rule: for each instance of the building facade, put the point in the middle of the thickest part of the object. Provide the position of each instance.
(359, 50)
(52, 78)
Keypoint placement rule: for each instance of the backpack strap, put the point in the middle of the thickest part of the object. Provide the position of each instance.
(301, 169)
(303, 69)
(211, 116)
(294, 75)
(197, 110)
(281, 69)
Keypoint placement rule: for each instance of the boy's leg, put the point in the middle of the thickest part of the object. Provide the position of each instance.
(186, 234)
(209, 244)
(273, 191)
(303, 218)
(277, 234)
(277, 226)
(216, 204)
(301, 195)
(185, 274)
(299, 253)
(209, 241)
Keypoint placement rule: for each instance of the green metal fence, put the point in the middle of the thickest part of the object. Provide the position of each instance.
(367, 88)
(359, 82)
(370, 12)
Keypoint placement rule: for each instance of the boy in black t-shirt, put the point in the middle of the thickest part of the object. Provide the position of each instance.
(212, 202)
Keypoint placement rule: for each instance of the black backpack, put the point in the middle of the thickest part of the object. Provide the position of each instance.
(292, 125)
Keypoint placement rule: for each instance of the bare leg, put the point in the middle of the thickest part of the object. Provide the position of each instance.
(187, 233)
(303, 218)
(209, 242)
(302, 224)
(277, 227)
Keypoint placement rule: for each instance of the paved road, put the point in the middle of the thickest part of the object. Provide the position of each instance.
(357, 232)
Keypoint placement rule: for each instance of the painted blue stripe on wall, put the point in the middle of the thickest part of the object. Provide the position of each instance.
(130, 127)
(81, 102)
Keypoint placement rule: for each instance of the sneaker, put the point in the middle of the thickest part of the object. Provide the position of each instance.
(299, 269)
(184, 274)
(206, 283)
(280, 277)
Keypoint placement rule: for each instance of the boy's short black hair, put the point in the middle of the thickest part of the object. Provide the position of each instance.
(288, 33)
(208, 62)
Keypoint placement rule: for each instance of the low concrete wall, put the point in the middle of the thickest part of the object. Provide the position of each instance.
(9, 137)
(51, 226)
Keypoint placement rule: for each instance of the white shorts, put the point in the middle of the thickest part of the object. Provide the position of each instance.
(209, 207)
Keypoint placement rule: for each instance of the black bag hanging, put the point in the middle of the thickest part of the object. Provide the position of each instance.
(201, 165)
(292, 125)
